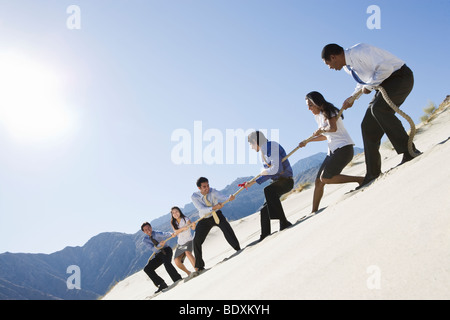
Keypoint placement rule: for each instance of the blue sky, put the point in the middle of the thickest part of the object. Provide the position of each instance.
(87, 115)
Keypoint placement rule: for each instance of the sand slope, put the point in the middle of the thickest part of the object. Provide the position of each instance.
(389, 241)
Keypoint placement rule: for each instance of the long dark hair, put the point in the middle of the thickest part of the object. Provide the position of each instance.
(327, 108)
(173, 222)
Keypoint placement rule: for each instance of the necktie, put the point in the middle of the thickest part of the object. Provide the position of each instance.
(156, 243)
(216, 218)
(355, 76)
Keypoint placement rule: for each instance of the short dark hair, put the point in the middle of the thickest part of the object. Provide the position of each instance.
(257, 136)
(145, 224)
(201, 180)
(331, 49)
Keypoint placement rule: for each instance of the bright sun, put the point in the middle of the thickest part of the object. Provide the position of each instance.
(32, 107)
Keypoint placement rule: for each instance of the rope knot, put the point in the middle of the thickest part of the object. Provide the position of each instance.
(242, 185)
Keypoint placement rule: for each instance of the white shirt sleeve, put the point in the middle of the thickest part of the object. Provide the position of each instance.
(373, 65)
(199, 204)
(214, 198)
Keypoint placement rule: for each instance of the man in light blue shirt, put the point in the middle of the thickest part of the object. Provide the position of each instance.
(213, 197)
(371, 67)
(156, 240)
(206, 200)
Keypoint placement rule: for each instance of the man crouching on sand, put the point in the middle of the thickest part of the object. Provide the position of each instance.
(155, 240)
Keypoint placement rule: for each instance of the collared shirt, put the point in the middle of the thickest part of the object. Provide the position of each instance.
(186, 235)
(273, 154)
(214, 197)
(372, 65)
(158, 236)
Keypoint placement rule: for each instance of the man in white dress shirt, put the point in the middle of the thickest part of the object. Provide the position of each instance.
(371, 67)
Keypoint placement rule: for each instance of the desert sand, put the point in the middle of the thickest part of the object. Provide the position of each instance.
(389, 241)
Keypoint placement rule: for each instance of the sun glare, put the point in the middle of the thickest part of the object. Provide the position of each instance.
(32, 107)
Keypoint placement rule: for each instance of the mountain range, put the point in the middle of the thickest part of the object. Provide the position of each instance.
(112, 256)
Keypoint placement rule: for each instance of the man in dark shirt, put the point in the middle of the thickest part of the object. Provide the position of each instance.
(281, 174)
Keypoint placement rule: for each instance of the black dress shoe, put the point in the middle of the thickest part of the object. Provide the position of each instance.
(161, 287)
(367, 180)
(407, 157)
(284, 225)
(262, 237)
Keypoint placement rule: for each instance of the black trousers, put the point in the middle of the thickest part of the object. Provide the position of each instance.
(162, 257)
(272, 208)
(380, 119)
(202, 230)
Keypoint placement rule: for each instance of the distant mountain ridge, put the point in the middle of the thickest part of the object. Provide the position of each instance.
(103, 260)
(112, 256)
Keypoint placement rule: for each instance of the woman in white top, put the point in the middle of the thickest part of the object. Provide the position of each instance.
(180, 225)
(340, 145)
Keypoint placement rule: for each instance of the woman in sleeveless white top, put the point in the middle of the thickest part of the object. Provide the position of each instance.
(180, 225)
(340, 146)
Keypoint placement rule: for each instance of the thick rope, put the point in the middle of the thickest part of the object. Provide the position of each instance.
(353, 97)
(207, 215)
(388, 100)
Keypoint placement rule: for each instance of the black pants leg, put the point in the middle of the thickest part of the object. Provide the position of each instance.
(273, 208)
(228, 232)
(265, 221)
(202, 230)
(381, 119)
(163, 257)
